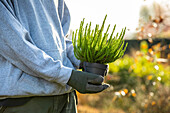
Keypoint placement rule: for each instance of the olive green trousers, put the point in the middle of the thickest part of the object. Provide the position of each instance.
(52, 104)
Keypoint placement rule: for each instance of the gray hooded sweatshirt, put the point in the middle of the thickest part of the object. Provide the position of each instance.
(35, 57)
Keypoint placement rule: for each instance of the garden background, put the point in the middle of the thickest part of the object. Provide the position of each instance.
(140, 80)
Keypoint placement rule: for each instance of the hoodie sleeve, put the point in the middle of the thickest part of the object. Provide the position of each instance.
(65, 22)
(15, 47)
(70, 54)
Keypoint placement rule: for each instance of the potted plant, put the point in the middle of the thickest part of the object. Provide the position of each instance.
(96, 49)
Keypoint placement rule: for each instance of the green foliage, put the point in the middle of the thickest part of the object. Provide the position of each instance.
(95, 47)
(138, 85)
(140, 67)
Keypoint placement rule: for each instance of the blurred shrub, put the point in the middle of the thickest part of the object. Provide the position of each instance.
(140, 84)
(141, 67)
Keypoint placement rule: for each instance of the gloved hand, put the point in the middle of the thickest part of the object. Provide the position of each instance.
(81, 65)
(85, 82)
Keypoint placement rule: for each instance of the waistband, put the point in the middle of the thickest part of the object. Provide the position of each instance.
(11, 102)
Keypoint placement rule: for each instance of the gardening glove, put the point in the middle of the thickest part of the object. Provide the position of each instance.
(85, 82)
(81, 65)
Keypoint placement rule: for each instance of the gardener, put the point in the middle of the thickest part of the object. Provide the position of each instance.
(37, 64)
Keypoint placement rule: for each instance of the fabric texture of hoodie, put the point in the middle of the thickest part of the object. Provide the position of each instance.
(35, 57)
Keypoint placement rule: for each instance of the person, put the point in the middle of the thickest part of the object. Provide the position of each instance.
(37, 63)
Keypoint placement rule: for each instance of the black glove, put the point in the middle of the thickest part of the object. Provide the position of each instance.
(85, 82)
(81, 65)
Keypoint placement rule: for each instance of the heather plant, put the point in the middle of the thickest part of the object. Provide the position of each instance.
(94, 46)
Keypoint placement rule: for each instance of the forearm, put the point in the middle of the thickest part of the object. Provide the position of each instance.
(70, 53)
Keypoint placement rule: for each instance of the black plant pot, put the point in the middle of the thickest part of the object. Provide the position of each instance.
(96, 68)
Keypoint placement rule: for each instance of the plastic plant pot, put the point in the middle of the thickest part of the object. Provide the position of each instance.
(96, 68)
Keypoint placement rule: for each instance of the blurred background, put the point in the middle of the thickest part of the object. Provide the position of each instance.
(140, 80)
